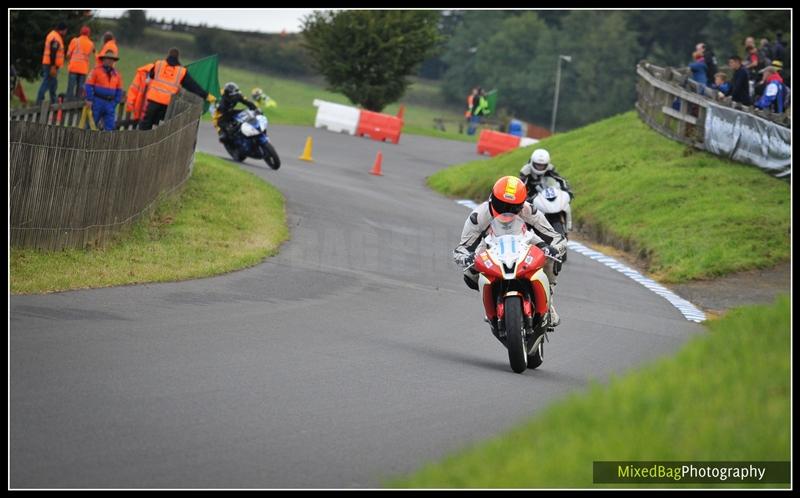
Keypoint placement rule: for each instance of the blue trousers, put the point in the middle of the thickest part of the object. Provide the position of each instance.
(474, 121)
(75, 90)
(103, 110)
(49, 83)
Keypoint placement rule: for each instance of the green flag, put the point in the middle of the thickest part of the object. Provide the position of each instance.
(491, 98)
(204, 72)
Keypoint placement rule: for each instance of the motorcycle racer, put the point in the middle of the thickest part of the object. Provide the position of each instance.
(508, 196)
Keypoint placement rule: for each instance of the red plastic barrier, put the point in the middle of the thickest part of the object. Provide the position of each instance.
(493, 142)
(379, 126)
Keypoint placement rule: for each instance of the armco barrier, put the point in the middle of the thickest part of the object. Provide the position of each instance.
(493, 142)
(336, 117)
(379, 126)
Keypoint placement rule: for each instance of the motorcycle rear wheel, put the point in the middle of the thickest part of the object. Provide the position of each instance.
(235, 153)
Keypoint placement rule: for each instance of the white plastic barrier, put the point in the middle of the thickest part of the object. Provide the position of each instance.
(526, 141)
(336, 117)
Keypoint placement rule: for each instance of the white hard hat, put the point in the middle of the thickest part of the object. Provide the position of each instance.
(540, 162)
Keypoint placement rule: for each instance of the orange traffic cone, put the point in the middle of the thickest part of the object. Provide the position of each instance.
(307, 151)
(376, 169)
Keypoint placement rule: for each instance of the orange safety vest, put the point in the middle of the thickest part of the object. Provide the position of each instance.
(166, 83)
(80, 50)
(136, 92)
(53, 35)
(109, 45)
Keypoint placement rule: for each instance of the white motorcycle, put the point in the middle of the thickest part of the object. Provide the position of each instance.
(554, 203)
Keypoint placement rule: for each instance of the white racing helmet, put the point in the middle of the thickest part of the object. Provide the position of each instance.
(540, 162)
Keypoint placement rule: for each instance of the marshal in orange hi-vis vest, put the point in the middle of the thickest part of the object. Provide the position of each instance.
(136, 92)
(79, 53)
(109, 45)
(166, 82)
(53, 35)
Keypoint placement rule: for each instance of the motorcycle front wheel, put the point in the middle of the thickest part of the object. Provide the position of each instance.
(270, 156)
(515, 334)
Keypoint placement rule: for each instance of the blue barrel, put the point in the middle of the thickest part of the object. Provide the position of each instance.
(515, 127)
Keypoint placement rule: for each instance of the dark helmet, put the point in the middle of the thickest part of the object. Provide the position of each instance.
(231, 88)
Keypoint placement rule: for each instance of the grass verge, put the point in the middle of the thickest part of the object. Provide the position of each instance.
(723, 396)
(684, 213)
(223, 220)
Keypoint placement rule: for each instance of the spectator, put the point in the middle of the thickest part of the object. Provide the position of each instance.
(778, 64)
(752, 62)
(699, 71)
(740, 87)
(104, 91)
(480, 107)
(778, 49)
(79, 53)
(109, 43)
(721, 85)
(166, 79)
(470, 102)
(774, 91)
(710, 58)
(765, 52)
(52, 60)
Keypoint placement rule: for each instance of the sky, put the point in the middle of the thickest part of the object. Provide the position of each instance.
(264, 20)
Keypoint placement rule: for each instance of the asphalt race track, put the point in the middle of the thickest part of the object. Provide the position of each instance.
(356, 355)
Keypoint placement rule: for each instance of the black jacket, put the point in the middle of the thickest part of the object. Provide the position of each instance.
(740, 87)
(228, 102)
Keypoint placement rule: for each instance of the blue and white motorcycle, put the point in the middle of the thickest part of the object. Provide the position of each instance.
(249, 139)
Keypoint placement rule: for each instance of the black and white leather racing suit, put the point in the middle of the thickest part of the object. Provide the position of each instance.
(533, 180)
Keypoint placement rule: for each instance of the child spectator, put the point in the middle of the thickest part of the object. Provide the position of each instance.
(721, 84)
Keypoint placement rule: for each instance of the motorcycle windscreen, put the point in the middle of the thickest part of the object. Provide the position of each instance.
(507, 224)
(507, 241)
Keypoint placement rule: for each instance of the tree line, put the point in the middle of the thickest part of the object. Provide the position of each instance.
(517, 52)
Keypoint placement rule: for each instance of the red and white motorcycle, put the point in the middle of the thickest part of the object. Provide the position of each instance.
(515, 290)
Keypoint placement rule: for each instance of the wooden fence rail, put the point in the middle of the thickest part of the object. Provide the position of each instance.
(69, 115)
(74, 187)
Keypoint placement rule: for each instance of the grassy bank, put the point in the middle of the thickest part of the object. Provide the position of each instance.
(724, 396)
(295, 97)
(224, 219)
(687, 214)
